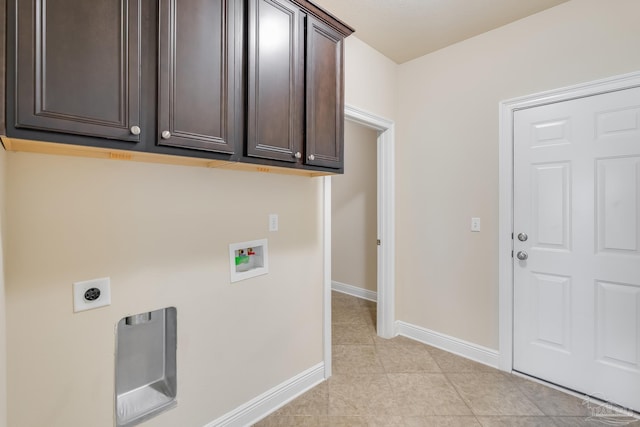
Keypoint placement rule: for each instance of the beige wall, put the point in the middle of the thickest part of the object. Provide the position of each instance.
(370, 79)
(447, 151)
(161, 233)
(354, 211)
(3, 334)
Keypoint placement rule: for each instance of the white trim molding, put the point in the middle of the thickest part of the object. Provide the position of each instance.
(386, 214)
(505, 241)
(364, 118)
(468, 350)
(270, 401)
(354, 291)
(326, 294)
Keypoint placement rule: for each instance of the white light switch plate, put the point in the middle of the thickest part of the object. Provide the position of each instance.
(91, 294)
(475, 224)
(273, 222)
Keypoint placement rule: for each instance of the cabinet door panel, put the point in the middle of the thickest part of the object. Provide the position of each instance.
(325, 96)
(276, 86)
(197, 74)
(86, 84)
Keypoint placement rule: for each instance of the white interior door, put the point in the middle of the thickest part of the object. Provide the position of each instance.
(577, 198)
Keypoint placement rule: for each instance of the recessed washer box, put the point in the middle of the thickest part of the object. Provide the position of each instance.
(248, 259)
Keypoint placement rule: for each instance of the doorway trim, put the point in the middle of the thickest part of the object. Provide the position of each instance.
(505, 239)
(386, 229)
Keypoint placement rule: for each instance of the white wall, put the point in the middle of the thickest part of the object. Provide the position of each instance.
(3, 332)
(161, 233)
(354, 211)
(370, 79)
(447, 151)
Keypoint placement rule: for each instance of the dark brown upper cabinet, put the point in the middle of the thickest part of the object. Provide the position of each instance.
(225, 81)
(275, 95)
(295, 94)
(325, 96)
(90, 68)
(77, 66)
(199, 77)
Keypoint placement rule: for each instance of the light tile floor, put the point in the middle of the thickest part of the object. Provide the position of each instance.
(401, 382)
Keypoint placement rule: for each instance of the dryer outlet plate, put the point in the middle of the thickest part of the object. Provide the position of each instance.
(91, 294)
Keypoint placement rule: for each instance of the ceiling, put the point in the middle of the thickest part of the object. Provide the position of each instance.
(407, 29)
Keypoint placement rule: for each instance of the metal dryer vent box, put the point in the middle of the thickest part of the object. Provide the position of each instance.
(146, 382)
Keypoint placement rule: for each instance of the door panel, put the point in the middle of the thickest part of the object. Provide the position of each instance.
(617, 203)
(617, 323)
(325, 96)
(198, 93)
(551, 304)
(551, 188)
(613, 125)
(276, 81)
(85, 85)
(577, 196)
(554, 132)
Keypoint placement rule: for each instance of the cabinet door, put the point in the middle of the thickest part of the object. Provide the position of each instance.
(78, 67)
(275, 110)
(325, 96)
(198, 77)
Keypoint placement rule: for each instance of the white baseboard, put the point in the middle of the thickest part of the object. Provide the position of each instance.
(453, 345)
(268, 402)
(354, 291)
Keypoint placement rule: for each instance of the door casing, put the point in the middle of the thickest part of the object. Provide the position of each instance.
(505, 238)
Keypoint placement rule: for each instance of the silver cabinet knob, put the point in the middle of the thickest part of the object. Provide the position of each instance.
(135, 130)
(523, 237)
(297, 155)
(522, 255)
(165, 134)
(312, 157)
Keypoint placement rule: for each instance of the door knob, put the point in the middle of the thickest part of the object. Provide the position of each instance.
(166, 134)
(297, 155)
(522, 255)
(312, 157)
(135, 130)
(522, 237)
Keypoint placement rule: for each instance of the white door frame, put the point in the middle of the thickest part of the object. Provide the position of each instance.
(505, 243)
(386, 229)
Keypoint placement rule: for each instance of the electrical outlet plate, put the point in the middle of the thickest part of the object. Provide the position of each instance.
(475, 224)
(96, 299)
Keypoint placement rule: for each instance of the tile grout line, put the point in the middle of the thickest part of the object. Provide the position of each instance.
(403, 358)
(466, 403)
